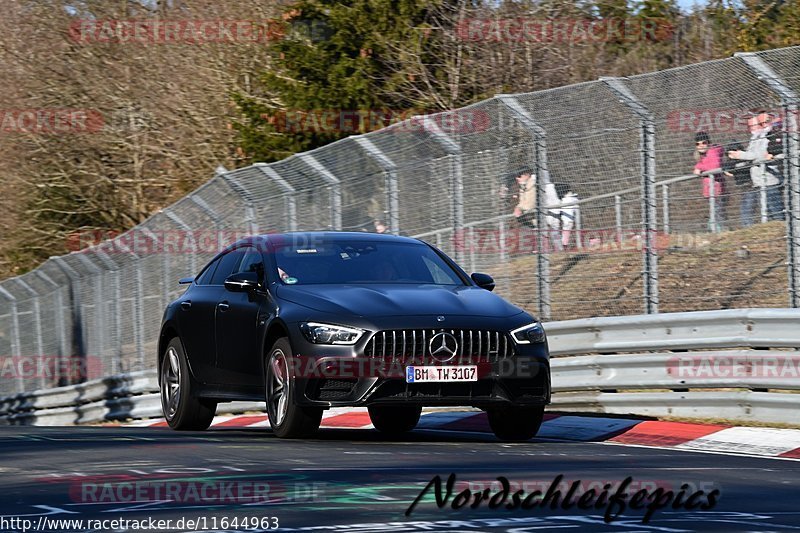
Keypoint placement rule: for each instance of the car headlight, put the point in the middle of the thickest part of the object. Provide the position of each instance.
(530, 334)
(330, 334)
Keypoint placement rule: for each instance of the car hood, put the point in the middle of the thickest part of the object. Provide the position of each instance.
(398, 300)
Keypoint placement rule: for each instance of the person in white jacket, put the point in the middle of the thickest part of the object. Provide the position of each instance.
(762, 174)
(562, 210)
(559, 203)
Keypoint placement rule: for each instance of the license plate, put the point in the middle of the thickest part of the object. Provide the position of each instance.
(439, 374)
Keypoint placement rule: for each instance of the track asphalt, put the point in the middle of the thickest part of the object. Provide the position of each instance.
(352, 479)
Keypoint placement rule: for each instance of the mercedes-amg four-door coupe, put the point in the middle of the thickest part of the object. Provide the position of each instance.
(310, 321)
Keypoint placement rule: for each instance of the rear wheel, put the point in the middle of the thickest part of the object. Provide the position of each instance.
(287, 419)
(394, 419)
(515, 424)
(181, 408)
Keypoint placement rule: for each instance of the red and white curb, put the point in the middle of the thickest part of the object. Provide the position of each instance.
(766, 442)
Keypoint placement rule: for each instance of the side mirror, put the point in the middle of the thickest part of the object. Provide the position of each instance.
(242, 282)
(484, 281)
(185, 281)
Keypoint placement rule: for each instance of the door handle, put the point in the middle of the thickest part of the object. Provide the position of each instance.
(186, 305)
(223, 306)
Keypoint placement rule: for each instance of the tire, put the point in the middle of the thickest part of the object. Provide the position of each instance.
(182, 409)
(287, 419)
(515, 424)
(394, 419)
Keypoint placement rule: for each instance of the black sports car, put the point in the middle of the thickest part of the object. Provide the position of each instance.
(310, 321)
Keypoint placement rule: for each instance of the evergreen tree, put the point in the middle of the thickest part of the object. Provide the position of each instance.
(330, 72)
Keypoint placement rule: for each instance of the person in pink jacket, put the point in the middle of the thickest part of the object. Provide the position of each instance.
(708, 157)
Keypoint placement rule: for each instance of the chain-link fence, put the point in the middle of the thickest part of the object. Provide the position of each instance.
(632, 228)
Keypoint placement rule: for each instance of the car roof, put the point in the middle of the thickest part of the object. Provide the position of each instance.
(324, 236)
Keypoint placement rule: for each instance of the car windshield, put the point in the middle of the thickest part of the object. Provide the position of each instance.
(363, 262)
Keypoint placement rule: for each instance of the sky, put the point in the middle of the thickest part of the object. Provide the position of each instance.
(686, 5)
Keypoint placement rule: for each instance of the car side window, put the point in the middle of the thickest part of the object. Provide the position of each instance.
(227, 266)
(205, 276)
(252, 262)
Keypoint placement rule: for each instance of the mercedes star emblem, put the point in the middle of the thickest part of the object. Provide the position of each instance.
(443, 346)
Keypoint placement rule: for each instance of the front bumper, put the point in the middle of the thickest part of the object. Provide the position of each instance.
(342, 376)
(486, 391)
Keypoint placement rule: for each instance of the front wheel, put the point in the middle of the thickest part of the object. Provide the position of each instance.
(394, 419)
(515, 424)
(287, 419)
(181, 408)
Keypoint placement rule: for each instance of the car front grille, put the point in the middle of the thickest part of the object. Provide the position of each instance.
(414, 344)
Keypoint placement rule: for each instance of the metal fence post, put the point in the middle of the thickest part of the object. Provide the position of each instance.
(390, 172)
(712, 204)
(59, 306)
(165, 256)
(138, 304)
(336, 188)
(791, 138)
(502, 237)
(37, 323)
(203, 205)
(15, 342)
(453, 149)
(289, 197)
(244, 194)
(542, 178)
(75, 284)
(112, 269)
(665, 208)
(99, 316)
(647, 138)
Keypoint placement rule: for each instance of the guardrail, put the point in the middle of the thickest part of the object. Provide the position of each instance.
(676, 364)
(732, 328)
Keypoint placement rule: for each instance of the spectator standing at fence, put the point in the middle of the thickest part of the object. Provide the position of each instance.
(763, 175)
(708, 157)
(525, 210)
(562, 212)
(737, 169)
(380, 226)
(560, 208)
